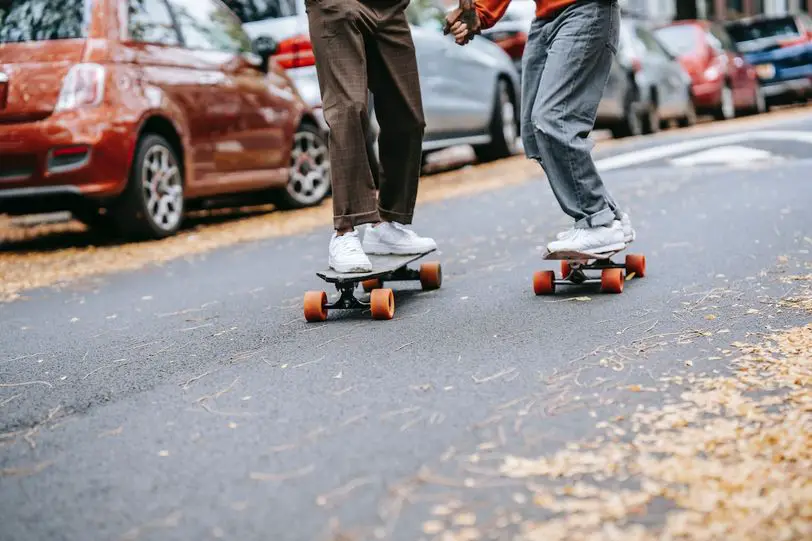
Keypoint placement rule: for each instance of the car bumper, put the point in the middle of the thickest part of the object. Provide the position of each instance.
(783, 88)
(707, 94)
(77, 153)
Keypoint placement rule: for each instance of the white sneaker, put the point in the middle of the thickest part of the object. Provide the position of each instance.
(346, 254)
(394, 238)
(629, 234)
(593, 240)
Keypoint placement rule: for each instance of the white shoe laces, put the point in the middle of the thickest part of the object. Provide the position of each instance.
(346, 246)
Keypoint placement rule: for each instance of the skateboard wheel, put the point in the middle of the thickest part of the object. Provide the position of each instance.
(382, 304)
(315, 306)
(544, 282)
(566, 269)
(636, 263)
(431, 275)
(372, 284)
(612, 280)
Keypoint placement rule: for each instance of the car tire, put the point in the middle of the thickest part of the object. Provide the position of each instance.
(309, 180)
(727, 107)
(651, 119)
(690, 116)
(504, 129)
(761, 106)
(631, 125)
(152, 204)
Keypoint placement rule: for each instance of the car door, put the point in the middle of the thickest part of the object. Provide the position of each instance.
(612, 102)
(267, 101)
(207, 38)
(191, 82)
(666, 74)
(450, 100)
(739, 72)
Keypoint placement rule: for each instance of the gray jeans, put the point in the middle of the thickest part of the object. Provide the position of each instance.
(565, 67)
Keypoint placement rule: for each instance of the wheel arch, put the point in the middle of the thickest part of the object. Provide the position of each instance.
(161, 125)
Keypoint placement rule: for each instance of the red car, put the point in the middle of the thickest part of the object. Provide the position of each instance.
(129, 112)
(724, 84)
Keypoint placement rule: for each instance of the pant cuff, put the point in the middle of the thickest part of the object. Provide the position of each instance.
(350, 221)
(601, 218)
(392, 216)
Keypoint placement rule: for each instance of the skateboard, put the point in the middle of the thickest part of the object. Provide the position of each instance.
(575, 264)
(381, 303)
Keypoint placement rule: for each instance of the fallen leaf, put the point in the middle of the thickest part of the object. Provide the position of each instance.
(433, 527)
(465, 519)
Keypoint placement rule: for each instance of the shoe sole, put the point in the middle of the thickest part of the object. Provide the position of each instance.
(350, 270)
(598, 250)
(382, 249)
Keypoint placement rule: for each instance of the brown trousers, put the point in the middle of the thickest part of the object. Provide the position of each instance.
(361, 47)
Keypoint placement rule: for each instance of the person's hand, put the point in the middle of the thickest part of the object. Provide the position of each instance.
(463, 22)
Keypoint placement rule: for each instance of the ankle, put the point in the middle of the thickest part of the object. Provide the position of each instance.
(343, 231)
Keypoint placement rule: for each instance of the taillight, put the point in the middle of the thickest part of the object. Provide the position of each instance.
(295, 52)
(83, 87)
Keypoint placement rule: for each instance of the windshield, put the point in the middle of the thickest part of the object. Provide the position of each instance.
(250, 11)
(678, 39)
(42, 20)
(770, 28)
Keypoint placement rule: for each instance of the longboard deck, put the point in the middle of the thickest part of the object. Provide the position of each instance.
(381, 265)
(573, 255)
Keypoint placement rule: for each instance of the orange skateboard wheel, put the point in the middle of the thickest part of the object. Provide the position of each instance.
(612, 280)
(566, 269)
(431, 275)
(544, 282)
(372, 284)
(382, 304)
(636, 263)
(315, 303)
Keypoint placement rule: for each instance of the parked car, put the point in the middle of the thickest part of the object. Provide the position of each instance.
(724, 83)
(781, 50)
(646, 88)
(470, 94)
(511, 31)
(129, 112)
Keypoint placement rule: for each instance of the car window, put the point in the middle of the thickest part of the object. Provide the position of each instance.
(425, 14)
(723, 37)
(42, 20)
(208, 25)
(678, 39)
(149, 21)
(781, 27)
(250, 11)
(650, 42)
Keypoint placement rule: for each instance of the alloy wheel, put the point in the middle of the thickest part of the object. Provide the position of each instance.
(162, 186)
(309, 169)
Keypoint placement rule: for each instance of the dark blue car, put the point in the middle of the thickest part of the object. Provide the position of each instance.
(780, 48)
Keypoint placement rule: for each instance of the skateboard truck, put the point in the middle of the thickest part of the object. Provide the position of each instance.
(575, 264)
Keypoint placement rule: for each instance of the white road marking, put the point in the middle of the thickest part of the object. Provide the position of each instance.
(667, 149)
(725, 155)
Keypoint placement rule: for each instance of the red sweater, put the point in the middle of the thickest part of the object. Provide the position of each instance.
(490, 11)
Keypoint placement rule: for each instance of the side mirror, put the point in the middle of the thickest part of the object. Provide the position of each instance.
(265, 47)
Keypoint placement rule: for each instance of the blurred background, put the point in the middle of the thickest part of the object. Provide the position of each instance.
(127, 123)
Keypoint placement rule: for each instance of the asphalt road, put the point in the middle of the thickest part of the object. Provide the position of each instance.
(191, 401)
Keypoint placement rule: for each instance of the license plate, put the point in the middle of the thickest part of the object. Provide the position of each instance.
(765, 71)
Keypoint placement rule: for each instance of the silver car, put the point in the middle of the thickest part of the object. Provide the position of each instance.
(470, 94)
(661, 85)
